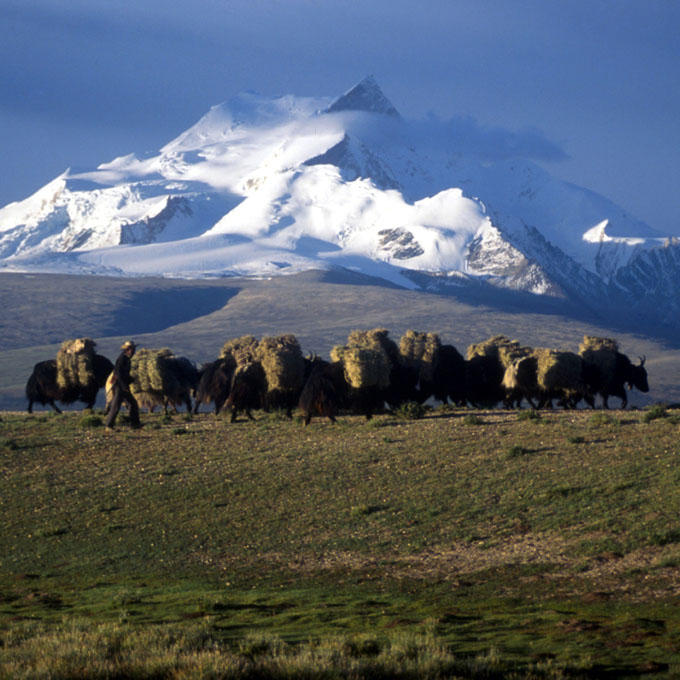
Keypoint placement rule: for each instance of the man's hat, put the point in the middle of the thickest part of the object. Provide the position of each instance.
(128, 344)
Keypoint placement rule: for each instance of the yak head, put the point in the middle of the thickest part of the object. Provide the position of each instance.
(638, 376)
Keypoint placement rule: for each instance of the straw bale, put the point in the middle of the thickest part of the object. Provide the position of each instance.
(75, 363)
(366, 358)
(420, 351)
(241, 350)
(558, 370)
(512, 352)
(594, 343)
(338, 353)
(375, 338)
(151, 372)
(282, 361)
(364, 366)
(490, 347)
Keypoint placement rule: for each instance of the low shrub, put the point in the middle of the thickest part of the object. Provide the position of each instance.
(472, 419)
(654, 413)
(600, 419)
(8, 444)
(530, 414)
(517, 451)
(90, 420)
(576, 439)
(666, 538)
(411, 410)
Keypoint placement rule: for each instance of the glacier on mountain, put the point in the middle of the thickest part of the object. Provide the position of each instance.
(263, 186)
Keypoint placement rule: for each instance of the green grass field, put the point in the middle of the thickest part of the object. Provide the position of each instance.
(465, 544)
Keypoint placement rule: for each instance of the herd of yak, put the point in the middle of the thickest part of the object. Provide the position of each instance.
(496, 371)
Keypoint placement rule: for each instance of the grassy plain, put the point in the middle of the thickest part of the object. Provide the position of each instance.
(465, 544)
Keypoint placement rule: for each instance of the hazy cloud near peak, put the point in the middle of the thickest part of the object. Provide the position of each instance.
(468, 136)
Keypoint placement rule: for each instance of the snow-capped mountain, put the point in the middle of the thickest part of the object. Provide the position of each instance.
(266, 185)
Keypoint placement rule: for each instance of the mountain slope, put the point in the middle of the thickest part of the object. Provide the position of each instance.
(263, 185)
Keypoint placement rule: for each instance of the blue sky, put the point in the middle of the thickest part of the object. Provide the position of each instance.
(595, 81)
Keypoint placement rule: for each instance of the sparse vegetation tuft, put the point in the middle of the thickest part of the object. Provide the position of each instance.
(517, 451)
(8, 444)
(528, 414)
(601, 419)
(90, 420)
(654, 412)
(410, 410)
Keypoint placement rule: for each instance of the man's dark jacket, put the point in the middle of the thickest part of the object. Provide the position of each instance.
(121, 370)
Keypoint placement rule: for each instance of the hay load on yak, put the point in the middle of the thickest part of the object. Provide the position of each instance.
(486, 365)
(560, 375)
(75, 364)
(76, 374)
(420, 351)
(159, 378)
(284, 369)
(419, 357)
(367, 368)
(240, 351)
(501, 347)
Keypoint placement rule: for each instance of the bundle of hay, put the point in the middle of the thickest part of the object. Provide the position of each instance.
(420, 351)
(491, 347)
(365, 360)
(594, 343)
(151, 371)
(240, 351)
(364, 366)
(375, 338)
(75, 363)
(512, 353)
(282, 361)
(558, 371)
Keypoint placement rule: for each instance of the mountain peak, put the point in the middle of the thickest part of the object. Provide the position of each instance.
(365, 96)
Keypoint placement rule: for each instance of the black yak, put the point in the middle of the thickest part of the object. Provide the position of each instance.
(214, 383)
(247, 389)
(324, 391)
(42, 385)
(483, 381)
(449, 376)
(625, 374)
(185, 384)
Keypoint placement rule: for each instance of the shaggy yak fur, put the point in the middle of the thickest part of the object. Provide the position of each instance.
(214, 384)
(247, 390)
(324, 392)
(42, 386)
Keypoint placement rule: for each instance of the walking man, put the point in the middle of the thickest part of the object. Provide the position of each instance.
(121, 387)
